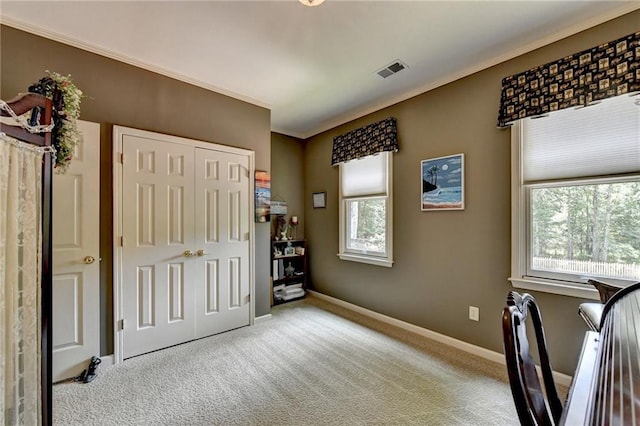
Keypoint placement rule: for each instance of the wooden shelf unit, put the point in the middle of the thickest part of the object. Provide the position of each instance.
(288, 271)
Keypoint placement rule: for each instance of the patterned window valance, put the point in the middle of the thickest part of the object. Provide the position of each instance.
(367, 140)
(601, 72)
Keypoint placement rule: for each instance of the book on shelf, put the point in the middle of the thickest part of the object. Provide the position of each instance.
(294, 285)
(275, 270)
(291, 293)
(288, 292)
(281, 268)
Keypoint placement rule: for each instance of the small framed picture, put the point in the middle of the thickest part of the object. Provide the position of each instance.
(443, 183)
(263, 196)
(319, 200)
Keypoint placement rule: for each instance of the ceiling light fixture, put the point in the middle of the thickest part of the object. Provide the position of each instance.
(311, 2)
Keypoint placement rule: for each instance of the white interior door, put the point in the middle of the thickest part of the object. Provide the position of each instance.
(158, 234)
(222, 241)
(76, 281)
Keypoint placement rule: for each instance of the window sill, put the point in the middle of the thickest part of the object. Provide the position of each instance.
(554, 287)
(379, 261)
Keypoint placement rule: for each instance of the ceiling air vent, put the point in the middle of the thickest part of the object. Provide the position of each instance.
(391, 69)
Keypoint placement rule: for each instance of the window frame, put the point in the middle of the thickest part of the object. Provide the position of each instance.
(377, 259)
(521, 218)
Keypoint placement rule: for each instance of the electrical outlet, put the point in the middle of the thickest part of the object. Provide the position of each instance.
(474, 313)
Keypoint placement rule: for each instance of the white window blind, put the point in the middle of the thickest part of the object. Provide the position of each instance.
(365, 176)
(598, 140)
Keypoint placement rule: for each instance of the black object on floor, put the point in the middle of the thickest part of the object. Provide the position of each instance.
(91, 372)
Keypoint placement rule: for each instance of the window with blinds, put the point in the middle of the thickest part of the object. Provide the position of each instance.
(366, 210)
(576, 189)
(599, 140)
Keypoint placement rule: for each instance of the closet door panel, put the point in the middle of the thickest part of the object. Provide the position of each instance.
(222, 241)
(158, 234)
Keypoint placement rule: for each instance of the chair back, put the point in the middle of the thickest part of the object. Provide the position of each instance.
(531, 404)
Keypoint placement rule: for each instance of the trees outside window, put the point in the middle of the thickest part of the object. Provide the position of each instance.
(591, 229)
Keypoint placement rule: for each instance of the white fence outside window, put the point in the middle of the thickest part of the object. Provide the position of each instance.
(602, 269)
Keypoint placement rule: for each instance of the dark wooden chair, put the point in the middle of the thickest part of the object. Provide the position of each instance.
(531, 404)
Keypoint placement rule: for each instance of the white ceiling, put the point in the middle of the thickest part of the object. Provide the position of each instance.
(314, 67)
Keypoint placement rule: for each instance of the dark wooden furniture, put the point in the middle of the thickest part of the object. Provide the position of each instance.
(20, 105)
(533, 407)
(606, 387)
(288, 270)
(605, 290)
(591, 312)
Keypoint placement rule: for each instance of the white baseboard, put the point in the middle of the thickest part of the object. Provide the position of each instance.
(560, 378)
(262, 318)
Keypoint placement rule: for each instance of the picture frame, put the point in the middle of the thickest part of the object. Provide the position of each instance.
(289, 251)
(319, 200)
(278, 207)
(442, 180)
(263, 196)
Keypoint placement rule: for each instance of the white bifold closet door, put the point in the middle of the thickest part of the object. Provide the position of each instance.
(185, 252)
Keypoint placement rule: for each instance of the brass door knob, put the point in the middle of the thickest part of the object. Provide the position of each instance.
(200, 252)
(187, 253)
(88, 260)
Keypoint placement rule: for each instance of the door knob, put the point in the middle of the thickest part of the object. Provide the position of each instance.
(88, 260)
(201, 252)
(187, 253)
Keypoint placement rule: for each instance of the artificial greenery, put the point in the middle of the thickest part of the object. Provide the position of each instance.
(66, 110)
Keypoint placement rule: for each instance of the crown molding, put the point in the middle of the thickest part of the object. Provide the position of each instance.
(628, 7)
(73, 42)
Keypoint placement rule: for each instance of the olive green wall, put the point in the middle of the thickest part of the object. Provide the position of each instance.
(117, 93)
(287, 178)
(448, 260)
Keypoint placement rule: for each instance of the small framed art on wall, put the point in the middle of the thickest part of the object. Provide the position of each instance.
(442, 183)
(319, 200)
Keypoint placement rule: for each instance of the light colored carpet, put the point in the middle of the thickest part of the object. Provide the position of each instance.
(312, 364)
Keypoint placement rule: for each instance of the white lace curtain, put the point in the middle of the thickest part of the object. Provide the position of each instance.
(20, 253)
